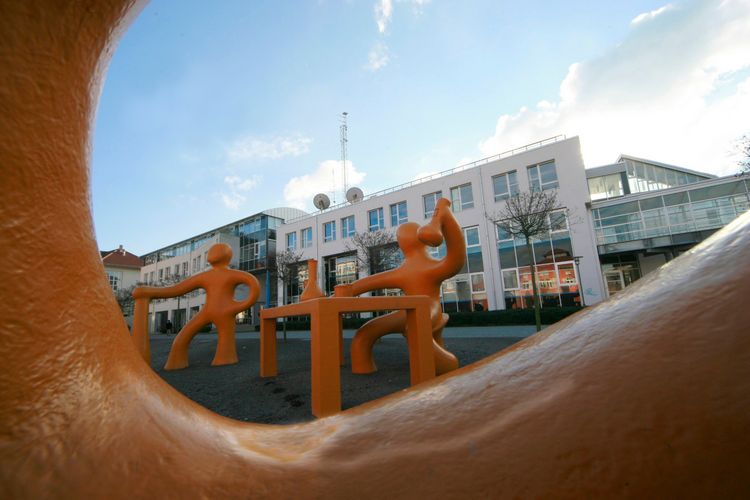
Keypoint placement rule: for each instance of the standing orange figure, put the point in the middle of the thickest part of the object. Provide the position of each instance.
(220, 308)
(419, 274)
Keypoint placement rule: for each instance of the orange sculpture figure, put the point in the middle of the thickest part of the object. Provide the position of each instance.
(220, 308)
(646, 395)
(419, 274)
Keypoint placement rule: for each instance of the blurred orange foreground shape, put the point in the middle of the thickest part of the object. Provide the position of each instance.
(646, 395)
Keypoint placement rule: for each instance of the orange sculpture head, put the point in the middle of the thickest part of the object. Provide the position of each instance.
(220, 254)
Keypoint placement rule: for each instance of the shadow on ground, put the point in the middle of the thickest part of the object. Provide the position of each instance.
(238, 391)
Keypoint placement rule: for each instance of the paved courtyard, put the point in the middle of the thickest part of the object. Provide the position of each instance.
(238, 391)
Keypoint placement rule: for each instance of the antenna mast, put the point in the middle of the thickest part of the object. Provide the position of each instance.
(344, 140)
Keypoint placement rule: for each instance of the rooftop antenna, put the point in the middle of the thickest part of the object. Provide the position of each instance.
(344, 140)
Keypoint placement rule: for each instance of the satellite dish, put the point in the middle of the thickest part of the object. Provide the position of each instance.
(353, 195)
(321, 201)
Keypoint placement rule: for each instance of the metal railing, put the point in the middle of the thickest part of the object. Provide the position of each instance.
(460, 168)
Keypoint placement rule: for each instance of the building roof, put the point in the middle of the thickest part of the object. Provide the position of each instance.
(619, 166)
(121, 258)
(667, 165)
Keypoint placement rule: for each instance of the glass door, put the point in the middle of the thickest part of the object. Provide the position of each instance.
(615, 282)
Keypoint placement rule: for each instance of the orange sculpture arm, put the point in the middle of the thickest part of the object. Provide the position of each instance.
(387, 279)
(254, 286)
(455, 243)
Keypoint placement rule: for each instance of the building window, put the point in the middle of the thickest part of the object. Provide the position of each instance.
(151, 278)
(465, 291)
(543, 176)
(552, 255)
(505, 185)
(376, 220)
(161, 275)
(115, 279)
(291, 240)
(296, 283)
(347, 227)
(462, 197)
(399, 214)
(176, 270)
(606, 186)
(167, 273)
(429, 201)
(307, 237)
(339, 270)
(185, 268)
(329, 231)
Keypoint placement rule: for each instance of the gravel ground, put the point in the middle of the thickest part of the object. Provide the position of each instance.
(238, 391)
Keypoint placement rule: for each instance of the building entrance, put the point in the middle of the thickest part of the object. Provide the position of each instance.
(615, 281)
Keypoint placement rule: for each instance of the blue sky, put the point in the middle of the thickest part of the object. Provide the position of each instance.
(212, 111)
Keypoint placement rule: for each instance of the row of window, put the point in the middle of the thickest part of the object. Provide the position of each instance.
(669, 214)
(166, 273)
(541, 176)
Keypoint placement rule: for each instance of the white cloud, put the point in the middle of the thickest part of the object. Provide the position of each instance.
(299, 191)
(383, 14)
(676, 90)
(384, 11)
(647, 16)
(237, 187)
(378, 57)
(254, 148)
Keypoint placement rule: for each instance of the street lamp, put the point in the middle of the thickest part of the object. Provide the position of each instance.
(577, 261)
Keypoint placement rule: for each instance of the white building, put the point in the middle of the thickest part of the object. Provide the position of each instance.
(122, 268)
(497, 274)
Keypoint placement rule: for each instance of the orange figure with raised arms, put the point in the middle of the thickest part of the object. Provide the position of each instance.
(220, 308)
(419, 274)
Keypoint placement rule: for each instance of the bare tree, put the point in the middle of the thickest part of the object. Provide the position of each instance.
(125, 300)
(743, 148)
(373, 249)
(527, 215)
(286, 265)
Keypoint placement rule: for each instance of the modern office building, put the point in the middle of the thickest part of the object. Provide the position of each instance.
(615, 224)
(646, 213)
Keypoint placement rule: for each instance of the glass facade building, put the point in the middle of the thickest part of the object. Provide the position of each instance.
(671, 213)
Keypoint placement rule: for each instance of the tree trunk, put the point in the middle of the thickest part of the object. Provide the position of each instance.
(537, 299)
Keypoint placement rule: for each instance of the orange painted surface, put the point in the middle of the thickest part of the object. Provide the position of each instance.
(220, 308)
(326, 341)
(312, 288)
(646, 395)
(419, 274)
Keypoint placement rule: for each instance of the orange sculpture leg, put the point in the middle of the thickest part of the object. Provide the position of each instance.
(646, 395)
(363, 361)
(220, 308)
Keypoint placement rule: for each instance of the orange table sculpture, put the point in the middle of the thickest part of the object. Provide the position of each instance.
(220, 309)
(646, 395)
(419, 274)
(326, 345)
